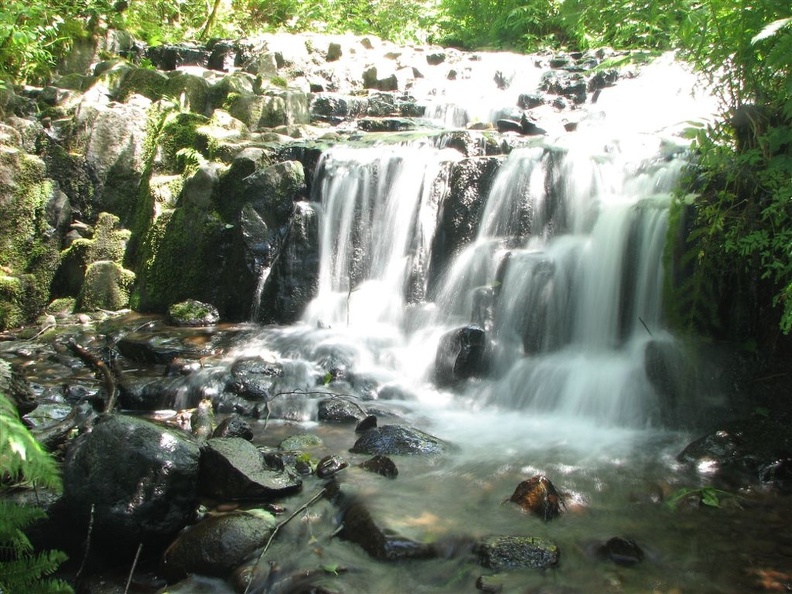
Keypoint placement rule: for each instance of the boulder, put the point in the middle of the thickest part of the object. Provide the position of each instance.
(399, 440)
(217, 544)
(461, 354)
(234, 469)
(339, 410)
(253, 377)
(381, 465)
(234, 426)
(539, 496)
(193, 313)
(133, 480)
(512, 552)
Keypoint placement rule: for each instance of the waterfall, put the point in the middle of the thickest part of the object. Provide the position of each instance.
(564, 272)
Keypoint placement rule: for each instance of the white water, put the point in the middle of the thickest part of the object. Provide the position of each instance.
(571, 241)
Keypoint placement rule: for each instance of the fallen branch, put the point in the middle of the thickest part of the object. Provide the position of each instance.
(108, 379)
(303, 507)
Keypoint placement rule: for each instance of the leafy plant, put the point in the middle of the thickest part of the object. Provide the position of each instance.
(24, 463)
(709, 496)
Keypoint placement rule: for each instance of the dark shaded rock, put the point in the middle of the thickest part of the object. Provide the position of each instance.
(749, 451)
(381, 465)
(217, 544)
(253, 377)
(529, 101)
(170, 392)
(300, 442)
(339, 410)
(14, 385)
(330, 466)
(400, 441)
(507, 552)
(170, 57)
(368, 423)
(622, 551)
(538, 495)
(233, 469)
(140, 480)
(386, 124)
(460, 212)
(568, 84)
(148, 347)
(360, 527)
(234, 426)
(193, 313)
(461, 354)
(435, 58)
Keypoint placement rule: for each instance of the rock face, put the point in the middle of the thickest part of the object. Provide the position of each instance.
(461, 354)
(140, 479)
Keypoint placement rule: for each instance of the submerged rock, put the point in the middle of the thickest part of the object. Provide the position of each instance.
(400, 441)
(507, 552)
(622, 551)
(381, 465)
(193, 313)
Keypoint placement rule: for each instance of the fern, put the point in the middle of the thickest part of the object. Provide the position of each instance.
(24, 462)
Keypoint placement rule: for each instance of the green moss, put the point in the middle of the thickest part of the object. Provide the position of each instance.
(28, 249)
(180, 132)
(62, 306)
(107, 286)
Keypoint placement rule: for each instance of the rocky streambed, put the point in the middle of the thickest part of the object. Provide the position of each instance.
(230, 465)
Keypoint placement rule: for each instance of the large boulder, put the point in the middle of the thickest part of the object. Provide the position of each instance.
(133, 480)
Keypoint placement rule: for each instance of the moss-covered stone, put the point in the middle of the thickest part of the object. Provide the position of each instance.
(107, 286)
(181, 132)
(28, 246)
(275, 108)
(193, 313)
(142, 81)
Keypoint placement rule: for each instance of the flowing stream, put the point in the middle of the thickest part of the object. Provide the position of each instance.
(565, 276)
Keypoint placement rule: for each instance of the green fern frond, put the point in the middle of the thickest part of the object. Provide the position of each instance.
(28, 574)
(21, 457)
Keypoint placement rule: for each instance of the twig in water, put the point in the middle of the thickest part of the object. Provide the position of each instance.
(107, 375)
(645, 326)
(87, 543)
(303, 507)
(132, 569)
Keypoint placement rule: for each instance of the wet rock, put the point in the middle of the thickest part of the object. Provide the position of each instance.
(217, 544)
(368, 423)
(170, 392)
(386, 124)
(509, 552)
(461, 354)
(234, 426)
(148, 347)
(202, 419)
(339, 410)
(622, 551)
(14, 385)
(381, 465)
(193, 313)
(140, 479)
(529, 101)
(570, 85)
(234, 469)
(745, 452)
(538, 495)
(254, 377)
(300, 442)
(360, 527)
(399, 440)
(330, 466)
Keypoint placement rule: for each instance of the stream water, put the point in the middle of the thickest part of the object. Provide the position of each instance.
(570, 242)
(565, 276)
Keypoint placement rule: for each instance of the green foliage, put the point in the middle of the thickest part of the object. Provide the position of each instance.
(23, 462)
(709, 496)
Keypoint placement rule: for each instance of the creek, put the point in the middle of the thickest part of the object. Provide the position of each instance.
(564, 278)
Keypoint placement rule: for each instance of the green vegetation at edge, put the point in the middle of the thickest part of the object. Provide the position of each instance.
(24, 464)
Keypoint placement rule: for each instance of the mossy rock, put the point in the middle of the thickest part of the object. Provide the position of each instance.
(193, 313)
(28, 247)
(182, 132)
(142, 81)
(192, 91)
(107, 286)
